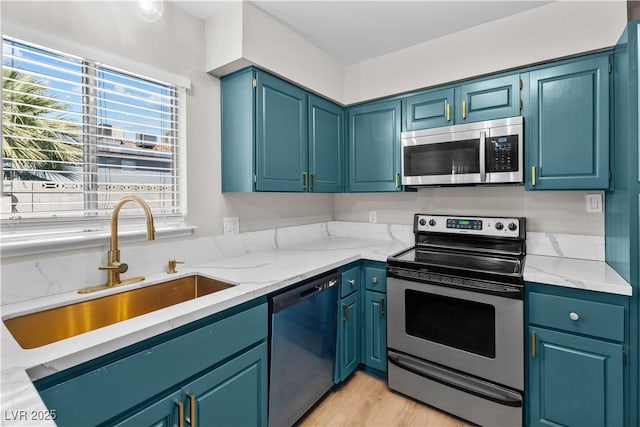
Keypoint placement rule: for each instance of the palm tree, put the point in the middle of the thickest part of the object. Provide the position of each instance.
(37, 139)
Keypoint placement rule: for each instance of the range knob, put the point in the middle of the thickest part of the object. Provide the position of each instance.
(432, 222)
(513, 226)
(422, 222)
(499, 226)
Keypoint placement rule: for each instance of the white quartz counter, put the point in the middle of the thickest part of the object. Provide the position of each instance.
(255, 273)
(575, 273)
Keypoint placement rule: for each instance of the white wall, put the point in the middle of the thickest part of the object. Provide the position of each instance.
(176, 43)
(555, 30)
(273, 47)
(546, 211)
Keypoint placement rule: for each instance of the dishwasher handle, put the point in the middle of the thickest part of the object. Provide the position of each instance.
(304, 291)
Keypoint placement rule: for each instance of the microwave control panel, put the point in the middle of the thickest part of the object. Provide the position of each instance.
(502, 153)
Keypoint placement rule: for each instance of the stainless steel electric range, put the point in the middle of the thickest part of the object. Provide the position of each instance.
(455, 317)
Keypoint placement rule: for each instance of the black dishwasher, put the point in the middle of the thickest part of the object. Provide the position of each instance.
(302, 347)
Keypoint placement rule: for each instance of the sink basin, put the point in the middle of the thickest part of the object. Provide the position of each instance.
(48, 326)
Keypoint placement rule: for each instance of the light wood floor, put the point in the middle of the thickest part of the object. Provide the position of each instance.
(365, 400)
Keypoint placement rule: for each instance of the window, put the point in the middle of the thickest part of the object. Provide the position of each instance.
(79, 135)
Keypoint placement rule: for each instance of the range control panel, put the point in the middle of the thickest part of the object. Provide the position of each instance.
(484, 226)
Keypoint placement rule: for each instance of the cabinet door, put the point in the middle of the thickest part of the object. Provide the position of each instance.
(569, 130)
(348, 335)
(237, 101)
(488, 99)
(164, 413)
(281, 137)
(374, 147)
(574, 381)
(233, 394)
(326, 147)
(375, 327)
(428, 110)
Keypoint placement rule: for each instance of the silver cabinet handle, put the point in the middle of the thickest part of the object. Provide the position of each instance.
(574, 316)
(374, 280)
(352, 282)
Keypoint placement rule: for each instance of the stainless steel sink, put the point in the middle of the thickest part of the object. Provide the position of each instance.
(48, 326)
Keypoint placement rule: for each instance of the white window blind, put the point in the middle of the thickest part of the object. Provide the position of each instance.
(79, 135)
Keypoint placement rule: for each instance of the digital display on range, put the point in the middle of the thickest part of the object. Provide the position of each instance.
(464, 224)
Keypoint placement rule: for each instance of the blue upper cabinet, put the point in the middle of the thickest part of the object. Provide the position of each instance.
(326, 146)
(568, 128)
(281, 138)
(428, 110)
(374, 147)
(488, 99)
(278, 137)
(478, 100)
(237, 102)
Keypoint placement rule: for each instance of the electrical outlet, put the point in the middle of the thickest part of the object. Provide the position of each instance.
(373, 216)
(594, 203)
(231, 224)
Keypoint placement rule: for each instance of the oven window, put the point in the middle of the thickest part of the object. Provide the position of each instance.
(462, 324)
(447, 158)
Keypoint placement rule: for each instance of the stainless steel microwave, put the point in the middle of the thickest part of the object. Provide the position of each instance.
(489, 152)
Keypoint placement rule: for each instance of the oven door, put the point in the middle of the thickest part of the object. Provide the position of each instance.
(472, 332)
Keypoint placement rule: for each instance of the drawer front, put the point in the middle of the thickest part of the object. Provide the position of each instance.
(579, 316)
(350, 281)
(375, 279)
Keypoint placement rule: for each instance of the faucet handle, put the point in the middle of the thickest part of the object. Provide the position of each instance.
(171, 268)
(117, 267)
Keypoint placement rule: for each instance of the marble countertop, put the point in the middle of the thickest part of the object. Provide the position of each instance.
(255, 274)
(575, 273)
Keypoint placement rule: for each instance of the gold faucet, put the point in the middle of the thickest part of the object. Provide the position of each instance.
(114, 267)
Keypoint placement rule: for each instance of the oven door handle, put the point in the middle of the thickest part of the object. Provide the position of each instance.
(464, 383)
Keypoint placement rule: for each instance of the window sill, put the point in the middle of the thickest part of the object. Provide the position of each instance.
(82, 240)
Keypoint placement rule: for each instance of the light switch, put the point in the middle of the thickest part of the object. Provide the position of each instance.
(373, 216)
(594, 203)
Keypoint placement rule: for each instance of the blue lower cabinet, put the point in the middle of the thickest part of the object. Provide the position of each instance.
(216, 361)
(576, 371)
(235, 394)
(348, 349)
(375, 327)
(574, 380)
(163, 413)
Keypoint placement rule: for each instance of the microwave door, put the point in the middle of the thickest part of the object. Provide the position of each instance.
(444, 159)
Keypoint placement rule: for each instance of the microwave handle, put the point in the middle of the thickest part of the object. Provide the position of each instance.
(483, 169)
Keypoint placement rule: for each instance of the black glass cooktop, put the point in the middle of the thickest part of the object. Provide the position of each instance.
(420, 258)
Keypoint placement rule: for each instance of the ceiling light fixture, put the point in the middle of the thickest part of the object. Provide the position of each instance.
(150, 10)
